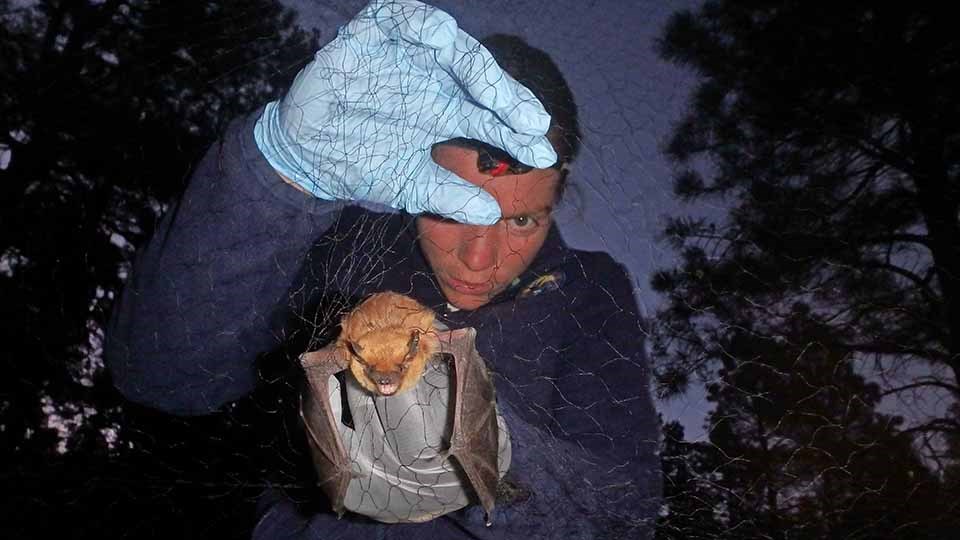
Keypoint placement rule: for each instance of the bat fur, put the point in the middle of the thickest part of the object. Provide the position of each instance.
(388, 339)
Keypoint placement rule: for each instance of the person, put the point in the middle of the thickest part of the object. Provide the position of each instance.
(280, 222)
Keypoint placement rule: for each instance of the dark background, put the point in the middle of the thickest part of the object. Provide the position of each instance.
(817, 306)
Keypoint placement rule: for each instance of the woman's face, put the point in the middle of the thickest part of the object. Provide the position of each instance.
(473, 263)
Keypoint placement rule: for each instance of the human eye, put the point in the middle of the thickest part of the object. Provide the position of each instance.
(522, 224)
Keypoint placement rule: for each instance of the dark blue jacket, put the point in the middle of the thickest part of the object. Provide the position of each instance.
(244, 261)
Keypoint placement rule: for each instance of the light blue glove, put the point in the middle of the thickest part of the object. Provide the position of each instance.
(360, 120)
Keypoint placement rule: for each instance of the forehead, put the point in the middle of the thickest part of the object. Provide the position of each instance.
(534, 191)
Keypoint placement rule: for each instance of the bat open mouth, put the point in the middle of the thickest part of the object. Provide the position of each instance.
(387, 389)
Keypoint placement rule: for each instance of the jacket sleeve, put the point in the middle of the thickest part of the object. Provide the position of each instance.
(196, 310)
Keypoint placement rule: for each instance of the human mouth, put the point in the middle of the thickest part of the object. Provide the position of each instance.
(468, 287)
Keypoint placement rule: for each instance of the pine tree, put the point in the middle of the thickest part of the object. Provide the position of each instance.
(691, 495)
(833, 137)
(833, 281)
(807, 454)
(104, 108)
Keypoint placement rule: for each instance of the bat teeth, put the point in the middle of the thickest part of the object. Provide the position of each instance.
(387, 389)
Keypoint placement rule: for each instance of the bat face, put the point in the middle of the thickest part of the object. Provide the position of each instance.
(383, 357)
(388, 338)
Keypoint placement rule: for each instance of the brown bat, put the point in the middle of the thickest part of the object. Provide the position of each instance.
(388, 339)
(385, 343)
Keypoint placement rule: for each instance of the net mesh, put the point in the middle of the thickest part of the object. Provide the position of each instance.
(105, 107)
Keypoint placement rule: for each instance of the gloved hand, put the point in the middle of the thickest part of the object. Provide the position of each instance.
(360, 120)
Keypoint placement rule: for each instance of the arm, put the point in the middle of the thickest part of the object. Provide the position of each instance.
(193, 316)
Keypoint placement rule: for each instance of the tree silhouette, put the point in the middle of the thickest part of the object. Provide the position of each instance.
(797, 450)
(810, 456)
(833, 282)
(104, 107)
(834, 139)
(691, 494)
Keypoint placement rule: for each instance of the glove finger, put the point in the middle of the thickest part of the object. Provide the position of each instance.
(415, 23)
(470, 62)
(441, 192)
(493, 88)
(481, 124)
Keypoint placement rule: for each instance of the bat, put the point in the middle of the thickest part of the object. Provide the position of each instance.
(388, 339)
(385, 344)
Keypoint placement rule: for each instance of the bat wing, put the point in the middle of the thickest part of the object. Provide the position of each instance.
(326, 446)
(474, 442)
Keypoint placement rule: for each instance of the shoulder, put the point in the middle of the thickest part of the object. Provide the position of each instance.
(598, 283)
(597, 266)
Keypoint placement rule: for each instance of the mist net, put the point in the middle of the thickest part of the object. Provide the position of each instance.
(240, 273)
(106, 132)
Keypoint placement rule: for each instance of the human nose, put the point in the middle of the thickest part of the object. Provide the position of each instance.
(478, 250)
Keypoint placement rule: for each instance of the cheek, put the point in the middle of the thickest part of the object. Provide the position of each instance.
(519, 252)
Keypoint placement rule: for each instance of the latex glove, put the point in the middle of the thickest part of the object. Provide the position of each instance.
(359, 121)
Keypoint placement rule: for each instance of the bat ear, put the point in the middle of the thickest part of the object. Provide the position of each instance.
(414, 343)
(356, 349)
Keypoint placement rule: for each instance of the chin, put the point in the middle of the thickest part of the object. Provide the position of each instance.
(463, 301)
(468, 303)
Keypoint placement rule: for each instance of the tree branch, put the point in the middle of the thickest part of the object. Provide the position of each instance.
(918, 281)
(878, 348)
(902, 238)
(940, 425)
(925, 382)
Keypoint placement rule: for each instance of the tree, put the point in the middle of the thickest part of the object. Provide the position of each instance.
(691, 494)
(104, 107)
(833, 281)
(834, 139)
(797, 450)
(809, 457)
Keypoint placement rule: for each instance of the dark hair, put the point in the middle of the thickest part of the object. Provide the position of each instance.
(535, 70)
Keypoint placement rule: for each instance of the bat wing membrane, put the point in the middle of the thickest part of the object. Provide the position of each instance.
(324, 440)
(474, 442)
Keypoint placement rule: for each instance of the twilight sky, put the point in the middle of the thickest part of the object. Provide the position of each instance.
(628, 98)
